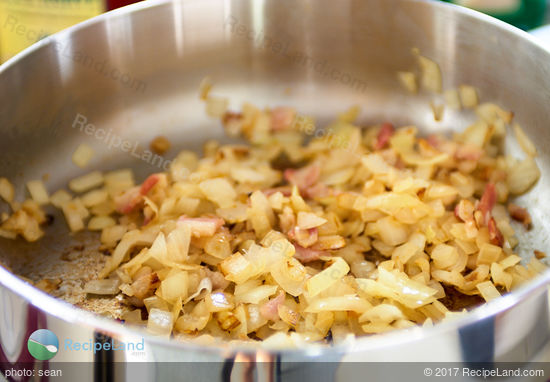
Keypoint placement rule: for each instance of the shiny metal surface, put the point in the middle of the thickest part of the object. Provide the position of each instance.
(135, 73)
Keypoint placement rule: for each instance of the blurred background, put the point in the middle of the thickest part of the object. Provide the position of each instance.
(23, 22)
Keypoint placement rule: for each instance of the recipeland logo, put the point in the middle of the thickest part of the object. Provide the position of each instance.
(43, 344)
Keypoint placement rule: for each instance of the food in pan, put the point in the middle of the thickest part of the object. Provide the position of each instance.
(305, 235)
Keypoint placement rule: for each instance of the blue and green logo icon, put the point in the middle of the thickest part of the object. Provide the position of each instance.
(43, 344)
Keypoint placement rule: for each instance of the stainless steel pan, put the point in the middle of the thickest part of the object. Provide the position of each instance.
(134, 73)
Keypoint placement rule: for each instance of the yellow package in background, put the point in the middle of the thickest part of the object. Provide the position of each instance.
(24, 22)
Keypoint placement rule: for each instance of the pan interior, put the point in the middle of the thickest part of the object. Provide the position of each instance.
(135, 76)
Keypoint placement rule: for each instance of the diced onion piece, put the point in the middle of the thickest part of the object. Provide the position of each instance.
(83, 155)
(338, 304)
(408, 80)
(526, 144)
(384, 312)
(102, 287)
(177, 243)
(237, 268)
(129, 241)
(399, 287)
(174, 286)
(491, 113)
(86, 182)
(257, 294)
(444, 256)
(290, 275)
(160, 322)
(487, 290)
(523, 176)
(326, 278)
(219, 191)
(73, 216)
(204, 88)
(205, 285)
(468, 96)
(307, 220)
(500, 276)
(132, 317)
(110, 235)
(216, 106)
(431, 74)
(60, 197)
(391, 231)
(218, 302)
(452, 99)
(93, 198)
(38, 191)
(7, 191)
(97, 223)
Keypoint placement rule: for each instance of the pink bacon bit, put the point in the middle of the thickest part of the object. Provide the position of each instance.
(494, 233)
(270, 310)
(282, 118)
(307, 255)
(384, 135)
(304, 237)
(304, 178)
(202, 226)
(149, 183)
(128, 201)
(434, 141)
(487, 202)
(520, 214)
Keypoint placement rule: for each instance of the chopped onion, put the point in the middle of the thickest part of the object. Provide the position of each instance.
(38, 191)
(523, 176)
(59, 198)
(488, 290)
(468, 96)
(216, 107)
(97, 223)
(431, 74)
(93, 198)
(307, 220)
(326, 278)
(160, 322)
(408, 80)
(86, 182)
(6, 190)
(526, 144)
(102, 287)
(83, 155)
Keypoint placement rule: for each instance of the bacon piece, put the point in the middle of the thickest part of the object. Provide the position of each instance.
(202, 226)
(217, 278)
(434, 140)
(307, 255)
(487, 202)
(304, 237)
(494, 233)
(149, 183)
(519, 214)
(127, 201)
(270, 310)
(282, 118)
(304, 177)
(145, 285)
(384, 135)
